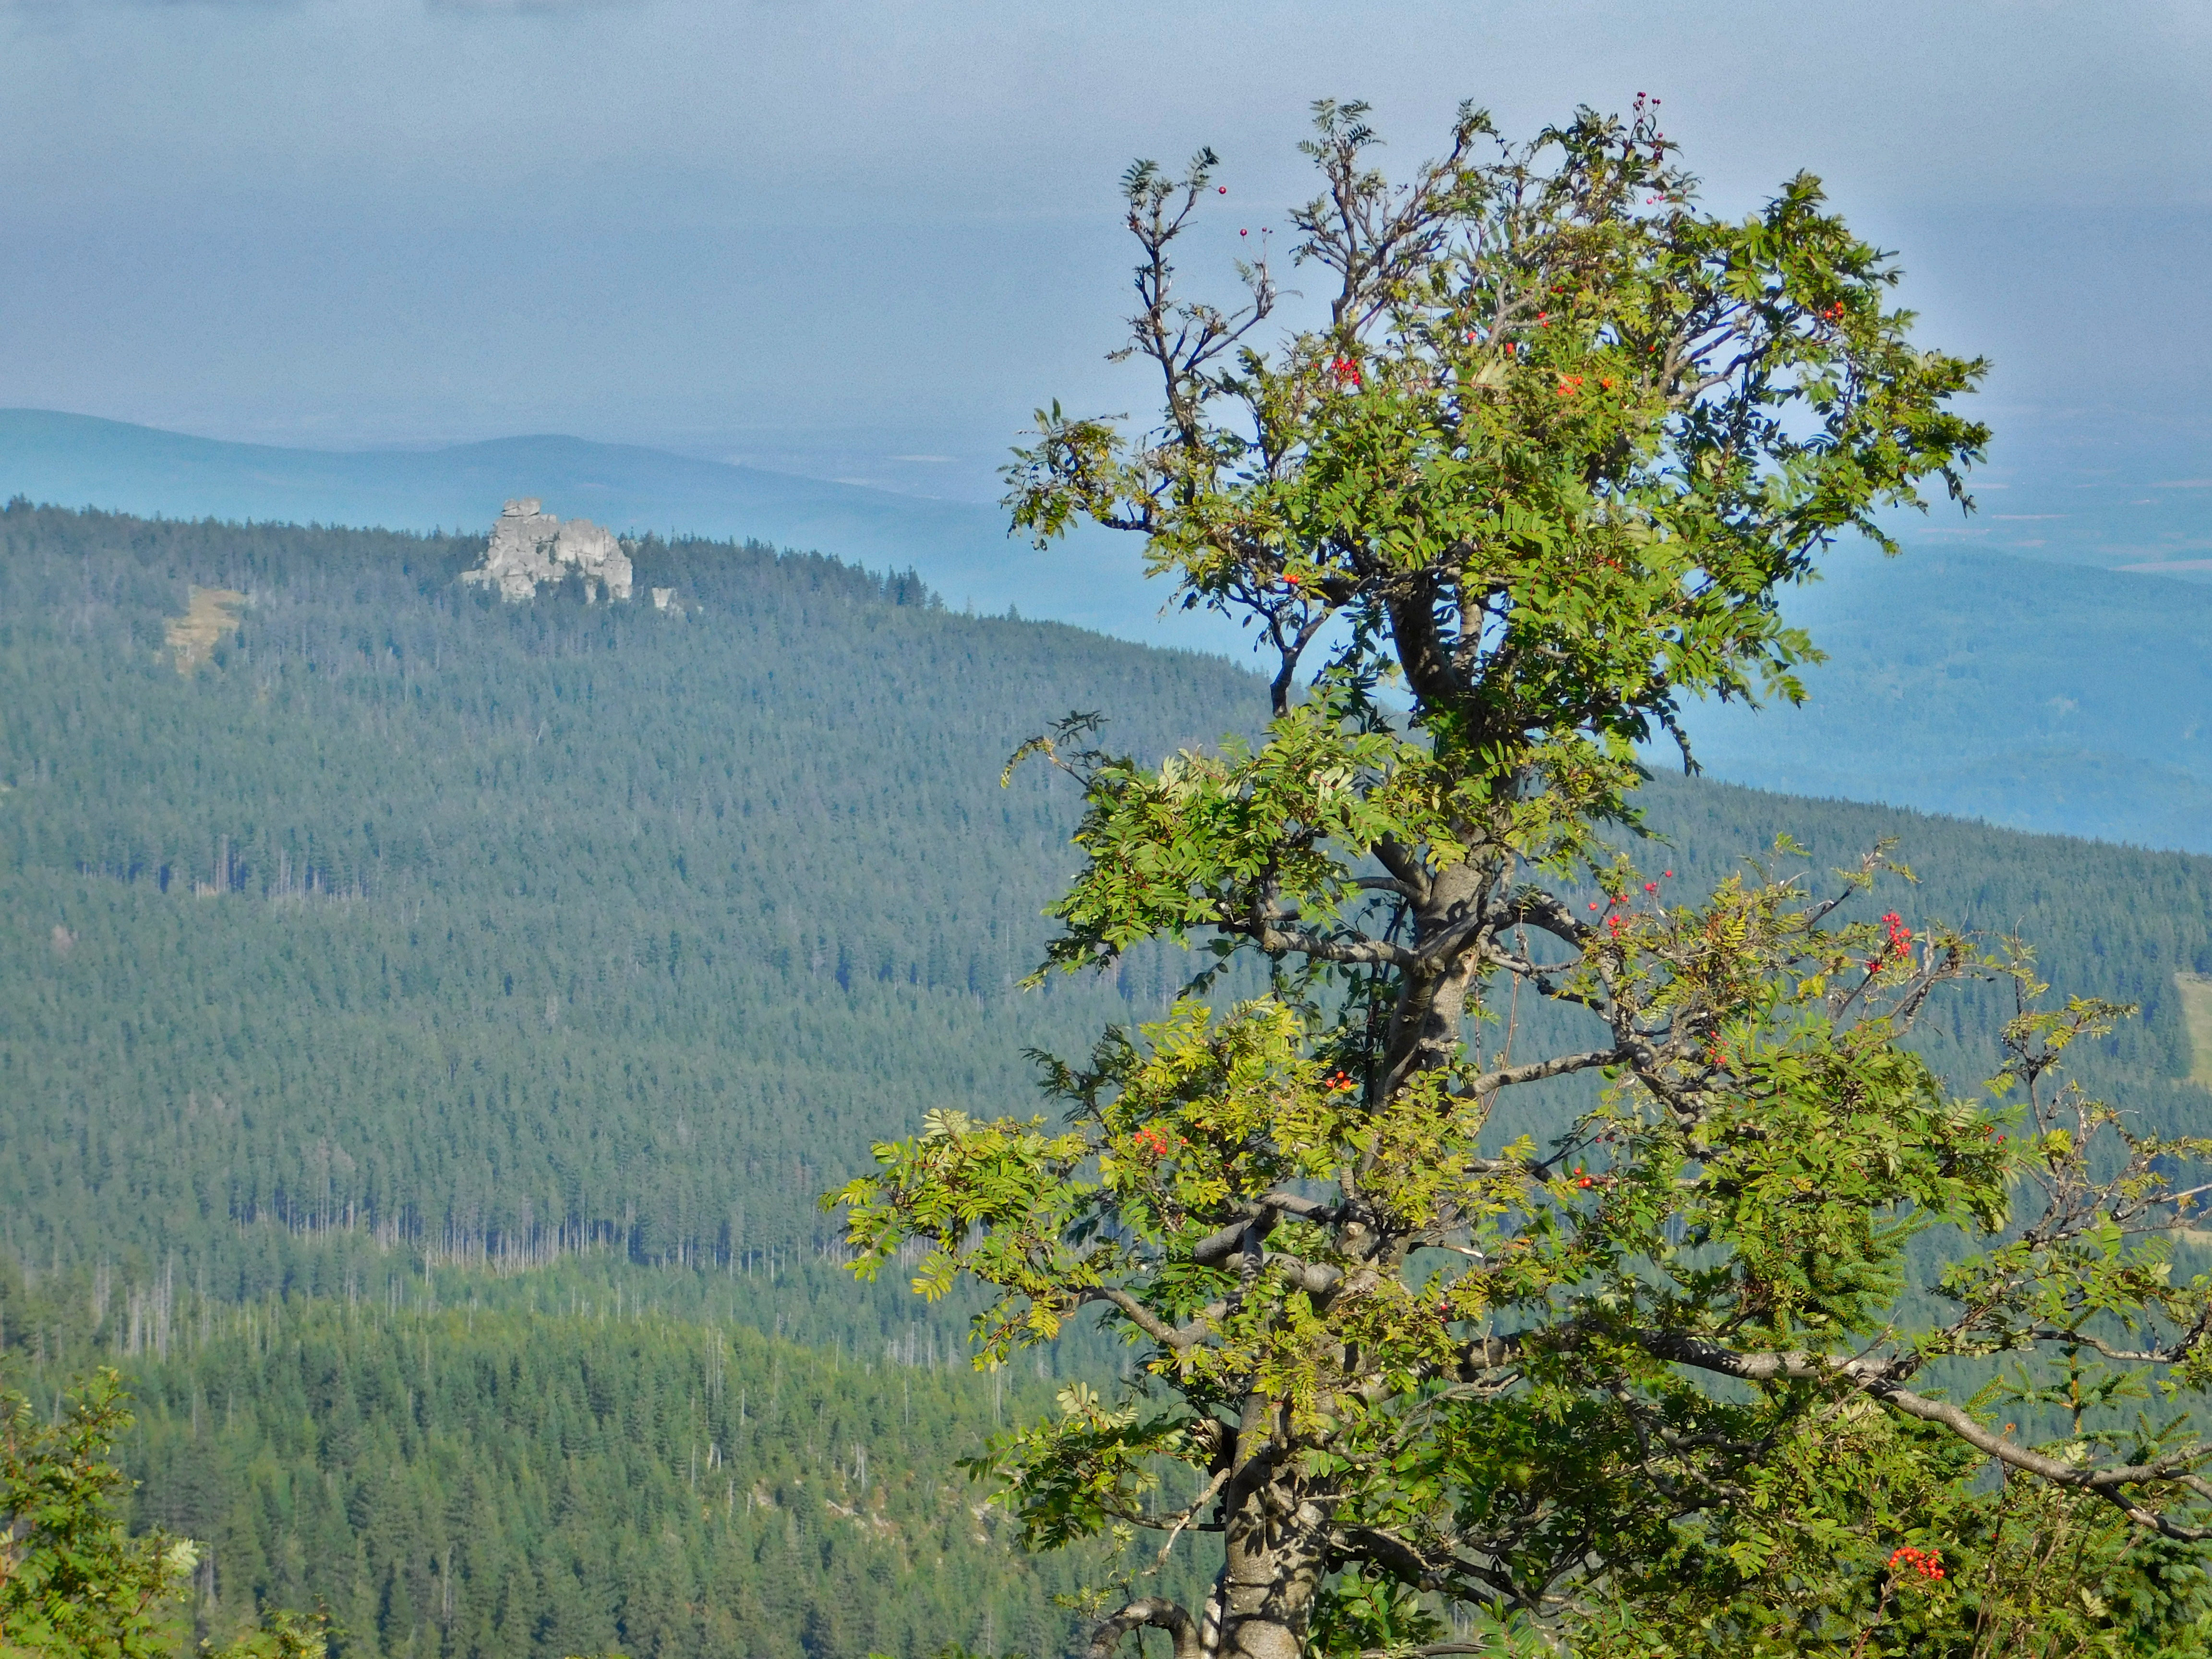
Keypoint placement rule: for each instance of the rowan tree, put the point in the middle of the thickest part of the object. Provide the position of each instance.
(1720, 1364)
(72, 1579)
(75, 1581)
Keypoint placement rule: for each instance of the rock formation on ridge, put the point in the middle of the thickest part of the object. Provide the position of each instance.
(529, 546)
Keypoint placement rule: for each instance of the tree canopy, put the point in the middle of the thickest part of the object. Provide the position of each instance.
(1727, 1366)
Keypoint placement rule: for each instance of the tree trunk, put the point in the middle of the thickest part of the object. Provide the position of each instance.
(1425, 1026)
(1272, 1568)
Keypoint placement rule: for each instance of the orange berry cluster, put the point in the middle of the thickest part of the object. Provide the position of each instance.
(1926, 1563)
(1337, 1083)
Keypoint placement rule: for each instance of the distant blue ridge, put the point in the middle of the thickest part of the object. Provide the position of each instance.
(960, 549)
(2053, 697)
(2046, 697)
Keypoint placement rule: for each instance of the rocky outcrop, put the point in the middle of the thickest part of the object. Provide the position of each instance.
(594, 551)
(530, 547)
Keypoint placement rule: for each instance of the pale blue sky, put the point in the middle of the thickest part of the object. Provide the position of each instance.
(862, 240)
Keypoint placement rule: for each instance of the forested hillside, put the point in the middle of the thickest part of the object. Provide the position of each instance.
(566, 1474)
(409, 919)
(397, 998)
(497, 930)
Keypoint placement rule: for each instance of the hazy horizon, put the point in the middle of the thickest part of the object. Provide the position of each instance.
(862, 243)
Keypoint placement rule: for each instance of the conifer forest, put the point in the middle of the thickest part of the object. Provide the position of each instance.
(429, 1024)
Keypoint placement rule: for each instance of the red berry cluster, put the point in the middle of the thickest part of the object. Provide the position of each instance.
(1152, 1141)
(1926, 1563)
(1582, 1180)
(1345, 372)
(1338, 1083)
(1570, 385)
(1900, 945)
(1614, 921)
(1615, 917)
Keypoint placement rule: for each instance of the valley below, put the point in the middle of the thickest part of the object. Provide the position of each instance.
(429, 1023)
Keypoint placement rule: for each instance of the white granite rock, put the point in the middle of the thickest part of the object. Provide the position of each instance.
(530, 547)
(596, 553)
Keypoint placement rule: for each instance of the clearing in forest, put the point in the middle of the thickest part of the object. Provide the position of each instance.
(2197, 1015)
(210, 614)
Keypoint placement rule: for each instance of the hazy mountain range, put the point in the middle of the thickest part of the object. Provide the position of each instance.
(961, 548)
(2044, 696)
(2057, 697)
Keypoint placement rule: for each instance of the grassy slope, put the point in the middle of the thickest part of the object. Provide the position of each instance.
(2196, 993)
